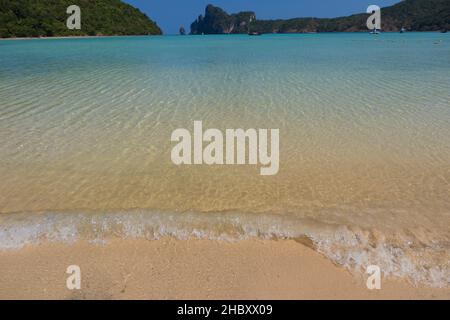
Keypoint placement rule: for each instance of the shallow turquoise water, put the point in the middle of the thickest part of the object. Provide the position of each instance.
(364, 125)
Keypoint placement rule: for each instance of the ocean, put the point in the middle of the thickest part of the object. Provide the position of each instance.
(364, 125)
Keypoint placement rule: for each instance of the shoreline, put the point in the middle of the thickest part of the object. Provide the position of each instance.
(350, 248)
(224, 34)
(76, 37)
(189, 269)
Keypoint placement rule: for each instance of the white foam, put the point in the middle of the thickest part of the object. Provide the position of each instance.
(398, 254)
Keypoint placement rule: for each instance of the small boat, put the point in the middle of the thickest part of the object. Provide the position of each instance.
(375, 31)
(402, 30)
(254, 33)
(444, 31)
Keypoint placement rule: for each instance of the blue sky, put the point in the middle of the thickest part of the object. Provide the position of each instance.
(171, 14)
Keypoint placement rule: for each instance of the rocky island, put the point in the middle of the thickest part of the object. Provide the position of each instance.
(411, 15)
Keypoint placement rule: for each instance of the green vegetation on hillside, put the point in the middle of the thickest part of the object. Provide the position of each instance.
(35, 18)
(413, 15)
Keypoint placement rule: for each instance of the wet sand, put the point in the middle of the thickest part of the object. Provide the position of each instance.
(192, 269)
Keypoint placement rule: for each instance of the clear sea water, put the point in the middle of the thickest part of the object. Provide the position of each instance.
(364, 123)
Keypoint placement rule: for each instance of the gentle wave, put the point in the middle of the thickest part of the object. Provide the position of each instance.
(399, 254)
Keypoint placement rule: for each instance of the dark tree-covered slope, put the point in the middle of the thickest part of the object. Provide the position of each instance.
(34, 18)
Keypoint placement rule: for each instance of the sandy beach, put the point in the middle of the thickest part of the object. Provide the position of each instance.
(259, 151)
(88, 177)
(71, 37)
(191, 269)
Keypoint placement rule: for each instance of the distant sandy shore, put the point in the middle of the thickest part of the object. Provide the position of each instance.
(156, 35)
(72, 37)
(193, 269)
